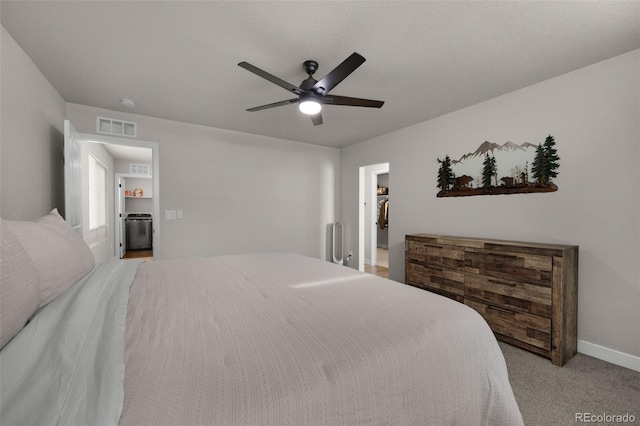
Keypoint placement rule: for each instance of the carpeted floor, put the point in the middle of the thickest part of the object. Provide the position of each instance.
(549, 395)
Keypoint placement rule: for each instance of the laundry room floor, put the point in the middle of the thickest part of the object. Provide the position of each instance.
(139, 254)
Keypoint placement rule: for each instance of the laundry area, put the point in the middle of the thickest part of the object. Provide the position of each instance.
(135, 210)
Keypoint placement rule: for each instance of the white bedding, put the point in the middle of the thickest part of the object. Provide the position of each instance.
(283, 339)
(66, 367)
(273, 339)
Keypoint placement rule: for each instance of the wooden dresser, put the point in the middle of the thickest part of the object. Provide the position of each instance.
(527, 292)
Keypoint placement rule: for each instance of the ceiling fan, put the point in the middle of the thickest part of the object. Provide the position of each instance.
(313, 93)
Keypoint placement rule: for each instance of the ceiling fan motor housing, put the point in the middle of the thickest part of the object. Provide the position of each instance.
(310, 66)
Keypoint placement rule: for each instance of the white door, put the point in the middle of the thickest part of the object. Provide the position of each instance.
(120, 217)
(72, 177)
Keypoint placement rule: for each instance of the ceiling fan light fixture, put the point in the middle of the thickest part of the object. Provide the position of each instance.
(309, 106)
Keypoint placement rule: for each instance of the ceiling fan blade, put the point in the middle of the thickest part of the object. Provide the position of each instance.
(339, 73)
(273, 105)
(317, 119)
(349, 101)
(272, 78)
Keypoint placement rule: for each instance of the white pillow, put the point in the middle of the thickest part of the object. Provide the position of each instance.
(60, 256)
(19, 286)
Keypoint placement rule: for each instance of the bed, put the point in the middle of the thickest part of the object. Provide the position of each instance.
(252, 339)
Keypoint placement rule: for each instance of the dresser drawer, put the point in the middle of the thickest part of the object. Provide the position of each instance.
(528, 268)
(530, 329)
(444, 281)
(513, 295)
(434, 253)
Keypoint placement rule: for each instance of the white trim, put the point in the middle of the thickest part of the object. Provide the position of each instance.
(622, 359)
(369, 200)
(129, 175)
(361, 209)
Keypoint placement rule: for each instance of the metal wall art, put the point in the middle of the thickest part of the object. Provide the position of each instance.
(500, 169)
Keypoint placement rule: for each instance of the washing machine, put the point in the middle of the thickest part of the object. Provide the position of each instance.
(139, 231)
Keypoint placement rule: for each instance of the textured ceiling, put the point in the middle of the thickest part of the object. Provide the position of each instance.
(178, 59)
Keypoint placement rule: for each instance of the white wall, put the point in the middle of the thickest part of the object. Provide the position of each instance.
(32, 137)
(238, 192)
(594, 115)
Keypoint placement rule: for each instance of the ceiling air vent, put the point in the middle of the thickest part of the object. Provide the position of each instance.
(139, 169)
(117, 127)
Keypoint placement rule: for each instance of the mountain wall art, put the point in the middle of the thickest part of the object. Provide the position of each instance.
(494, 169)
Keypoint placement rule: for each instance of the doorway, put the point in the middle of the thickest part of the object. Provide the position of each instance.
(134, 204)
(135, 197)
(77, 197)
(373, 235)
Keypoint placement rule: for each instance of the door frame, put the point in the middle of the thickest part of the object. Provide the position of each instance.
(367, 205)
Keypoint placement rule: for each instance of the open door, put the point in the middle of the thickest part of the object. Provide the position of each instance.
(72, 178)
(120, 217)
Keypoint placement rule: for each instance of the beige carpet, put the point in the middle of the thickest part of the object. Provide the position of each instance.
(551, 395)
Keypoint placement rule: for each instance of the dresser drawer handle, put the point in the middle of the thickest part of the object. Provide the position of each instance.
(432, 245)
(503, 283)
(506, 311)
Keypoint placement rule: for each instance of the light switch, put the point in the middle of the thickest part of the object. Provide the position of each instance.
(180, 216)
(169, 214)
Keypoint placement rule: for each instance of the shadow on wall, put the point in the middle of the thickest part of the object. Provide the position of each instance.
(396, 258)
(329, 242)
(56, 172)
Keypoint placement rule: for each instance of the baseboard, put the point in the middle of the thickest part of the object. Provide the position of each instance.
(622, 359)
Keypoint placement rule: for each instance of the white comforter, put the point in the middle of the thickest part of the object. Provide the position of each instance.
(283, 339)
(277, 339)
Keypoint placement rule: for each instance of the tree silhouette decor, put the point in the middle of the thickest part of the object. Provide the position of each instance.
(446, 177)
(551, 164)
(546, 162)
(488, 170)
(537, 168)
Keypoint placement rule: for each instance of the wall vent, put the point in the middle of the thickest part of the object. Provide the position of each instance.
(139, 169)
(110, 126)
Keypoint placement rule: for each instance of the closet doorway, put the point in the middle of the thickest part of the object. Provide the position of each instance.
(374, 219)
